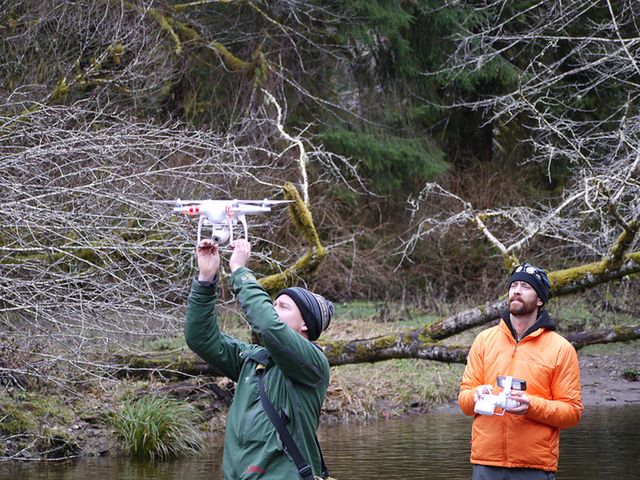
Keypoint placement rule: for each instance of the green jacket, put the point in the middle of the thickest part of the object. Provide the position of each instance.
(296, 381)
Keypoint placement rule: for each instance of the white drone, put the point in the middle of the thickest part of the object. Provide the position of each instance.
(222, 215)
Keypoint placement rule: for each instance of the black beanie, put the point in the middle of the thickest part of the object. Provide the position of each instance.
(315, 309)
(534, 276)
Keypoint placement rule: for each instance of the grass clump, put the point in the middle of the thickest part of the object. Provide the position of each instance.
(153, 427)
(631, 374)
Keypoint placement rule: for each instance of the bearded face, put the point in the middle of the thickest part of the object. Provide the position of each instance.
(523, 299)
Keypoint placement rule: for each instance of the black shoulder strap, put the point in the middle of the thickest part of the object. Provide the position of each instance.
(306, 472)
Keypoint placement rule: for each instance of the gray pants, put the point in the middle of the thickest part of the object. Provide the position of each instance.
(484, 472)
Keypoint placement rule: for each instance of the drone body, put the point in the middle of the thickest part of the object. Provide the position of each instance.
(222, 215)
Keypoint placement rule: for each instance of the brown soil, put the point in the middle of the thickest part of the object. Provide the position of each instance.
(610, 379)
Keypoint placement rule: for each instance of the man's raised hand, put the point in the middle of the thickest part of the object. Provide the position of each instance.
(241, 254)
(208, 260)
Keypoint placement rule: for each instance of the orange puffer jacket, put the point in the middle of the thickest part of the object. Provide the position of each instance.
(549, 364)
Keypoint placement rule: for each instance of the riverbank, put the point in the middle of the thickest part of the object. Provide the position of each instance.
(55, 421)
(610, 375)
(48, 424)
(434, 446)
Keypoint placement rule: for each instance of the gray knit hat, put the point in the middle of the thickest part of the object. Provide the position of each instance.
(315, 309)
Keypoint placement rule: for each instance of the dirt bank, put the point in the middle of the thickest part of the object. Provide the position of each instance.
(46, 424)
(610, 380)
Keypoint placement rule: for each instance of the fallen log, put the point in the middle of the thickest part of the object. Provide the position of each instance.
(402, 345)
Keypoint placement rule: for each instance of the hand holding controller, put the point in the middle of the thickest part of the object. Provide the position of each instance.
(486, 402)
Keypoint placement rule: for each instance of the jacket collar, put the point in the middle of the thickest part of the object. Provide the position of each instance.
(543, 321)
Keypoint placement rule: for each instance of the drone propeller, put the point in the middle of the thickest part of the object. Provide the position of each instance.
(177, 202)
(264, 202)
(250, 202)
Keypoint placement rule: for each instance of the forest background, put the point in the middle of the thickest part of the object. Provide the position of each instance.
(429, 146)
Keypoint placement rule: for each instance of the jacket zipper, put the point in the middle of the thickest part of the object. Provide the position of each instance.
(504, 423)
(251, 415)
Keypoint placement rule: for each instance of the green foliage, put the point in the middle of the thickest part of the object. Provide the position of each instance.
(24, 412)
(165, 343)
(382, 27)
(494, 76)
(399, 52)
(153, 427)
(393, 162)
(15, 420)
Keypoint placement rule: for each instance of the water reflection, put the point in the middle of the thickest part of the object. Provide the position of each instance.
(117, 468)
(434, 446)
(606, 444)
(431, 447)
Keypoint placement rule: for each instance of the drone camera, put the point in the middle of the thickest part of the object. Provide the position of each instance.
(220, 235)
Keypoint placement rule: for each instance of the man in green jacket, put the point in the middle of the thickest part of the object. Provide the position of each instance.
(296, 376)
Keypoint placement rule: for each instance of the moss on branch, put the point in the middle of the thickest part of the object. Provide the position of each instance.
(165, 23)
(308, 263)
(586, 276)
(257, 68)
(624, 242)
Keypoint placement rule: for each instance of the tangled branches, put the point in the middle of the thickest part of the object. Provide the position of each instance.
(575, 85)
(90, 261)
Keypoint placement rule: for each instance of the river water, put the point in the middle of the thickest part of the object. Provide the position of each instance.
(606, 445)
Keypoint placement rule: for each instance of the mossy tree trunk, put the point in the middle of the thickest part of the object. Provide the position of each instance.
(427, 342)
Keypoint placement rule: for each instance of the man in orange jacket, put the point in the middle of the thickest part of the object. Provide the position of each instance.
(520, 441)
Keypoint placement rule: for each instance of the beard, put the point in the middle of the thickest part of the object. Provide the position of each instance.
(519, 307)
